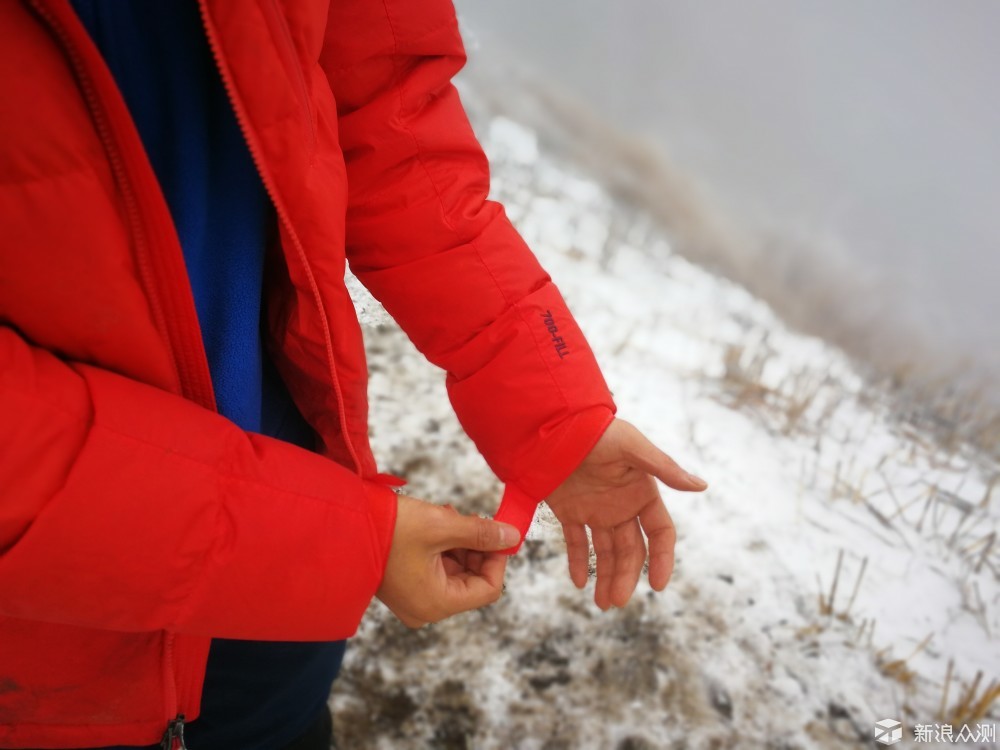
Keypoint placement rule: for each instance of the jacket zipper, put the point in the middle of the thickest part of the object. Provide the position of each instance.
(183, 338)
(173, 737)
(182, 334)
(283, 216)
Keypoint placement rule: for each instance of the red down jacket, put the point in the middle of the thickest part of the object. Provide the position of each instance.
(135, 522)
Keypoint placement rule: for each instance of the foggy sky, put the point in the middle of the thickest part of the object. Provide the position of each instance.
(874, 123)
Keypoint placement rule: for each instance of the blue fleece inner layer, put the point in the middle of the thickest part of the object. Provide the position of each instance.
(160, 59)
(257, 695)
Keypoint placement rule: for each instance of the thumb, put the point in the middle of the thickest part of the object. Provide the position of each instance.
(642, 454)
(473, 532)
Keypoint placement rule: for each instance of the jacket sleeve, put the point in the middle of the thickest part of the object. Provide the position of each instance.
(445, 261)
(124, 507)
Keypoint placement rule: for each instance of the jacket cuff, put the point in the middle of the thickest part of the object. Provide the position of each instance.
(564, 452)
(382, 507)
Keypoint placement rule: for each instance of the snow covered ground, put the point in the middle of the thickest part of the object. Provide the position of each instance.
(758, 642)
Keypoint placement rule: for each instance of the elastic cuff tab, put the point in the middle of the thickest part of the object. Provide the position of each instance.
(388, 479)
(518, 509)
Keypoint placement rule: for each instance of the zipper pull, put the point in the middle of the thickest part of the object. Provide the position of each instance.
(174, 734)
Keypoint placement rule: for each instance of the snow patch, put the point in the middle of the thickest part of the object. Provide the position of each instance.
(807, 466)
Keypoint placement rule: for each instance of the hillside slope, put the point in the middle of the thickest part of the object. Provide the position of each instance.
(838, 563)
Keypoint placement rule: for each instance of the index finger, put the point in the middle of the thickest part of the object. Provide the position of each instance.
(470, 590)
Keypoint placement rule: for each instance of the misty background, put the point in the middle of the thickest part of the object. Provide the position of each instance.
(848, 151)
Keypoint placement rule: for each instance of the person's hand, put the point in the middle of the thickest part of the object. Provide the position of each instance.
(442, 563)
(613, 492)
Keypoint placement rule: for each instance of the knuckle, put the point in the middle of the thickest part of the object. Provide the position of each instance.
(629, 548)
(439, 520)
(485, 535)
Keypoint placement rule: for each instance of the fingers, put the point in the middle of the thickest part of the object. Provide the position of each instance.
(455, 588)
(604, 547)
(620, 552)
(577, 553)
(471, 590)
(475, 533)
(458, 561)
(455, 561)
(646, 456)
(493, 568)
(662, 536)
(629, 555)
(440, 562)
(474, 561)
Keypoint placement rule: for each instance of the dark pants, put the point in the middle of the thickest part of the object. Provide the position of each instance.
(319, 736)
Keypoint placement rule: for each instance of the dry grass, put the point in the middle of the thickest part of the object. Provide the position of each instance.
(805, 402)
(938, 427)
(972, 704)
(828, 603)
(955, 416)
(935, 444)
(899, 669)
(742, 377)
(782, 408)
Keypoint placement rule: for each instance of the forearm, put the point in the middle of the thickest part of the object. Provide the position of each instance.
(128, 508)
